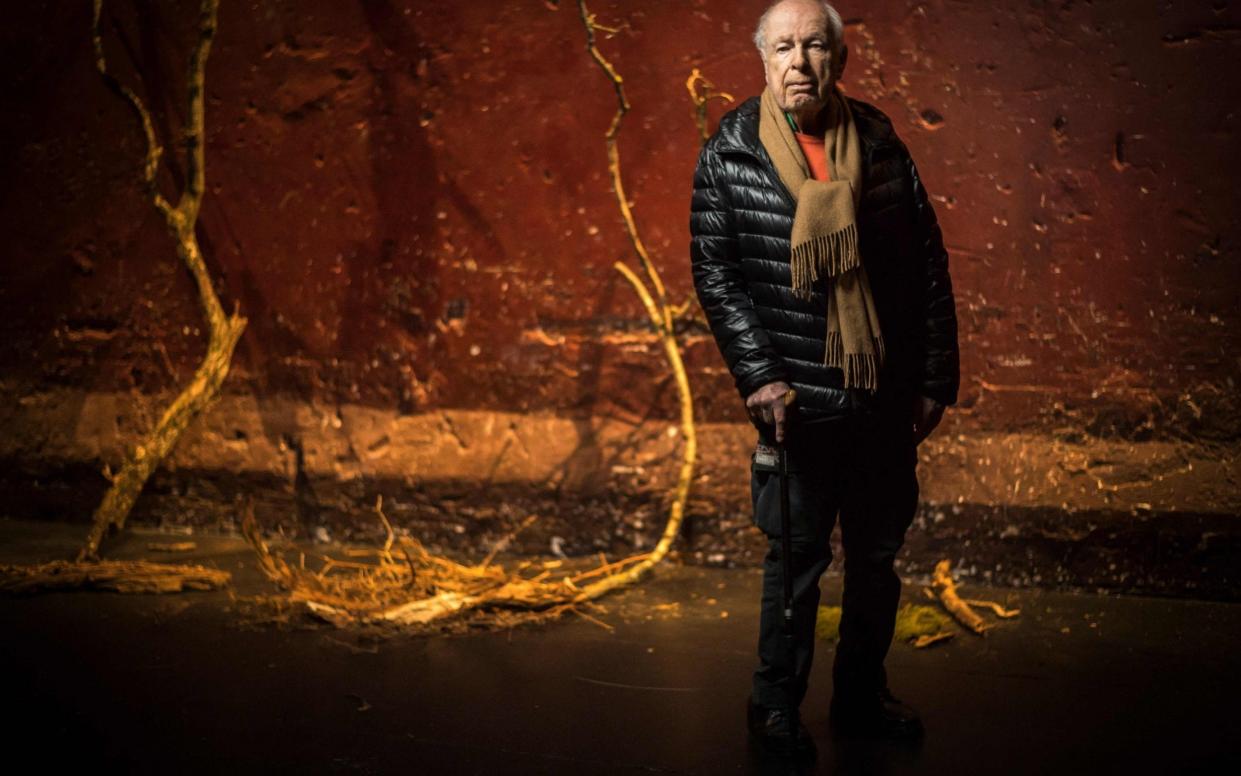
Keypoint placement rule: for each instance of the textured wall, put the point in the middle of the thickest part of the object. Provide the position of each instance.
(410, 202)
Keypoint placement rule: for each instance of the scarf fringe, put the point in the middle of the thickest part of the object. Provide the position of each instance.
(828, 255)
(861, 369)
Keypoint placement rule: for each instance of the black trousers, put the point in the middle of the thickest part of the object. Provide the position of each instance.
(865, 470)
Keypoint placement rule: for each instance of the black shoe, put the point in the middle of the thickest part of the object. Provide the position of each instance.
(778, 731)
(880, 715)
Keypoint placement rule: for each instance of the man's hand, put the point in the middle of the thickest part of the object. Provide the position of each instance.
(927, 414)
(769, 405)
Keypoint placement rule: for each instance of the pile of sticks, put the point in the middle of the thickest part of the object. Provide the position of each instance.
(402, 583)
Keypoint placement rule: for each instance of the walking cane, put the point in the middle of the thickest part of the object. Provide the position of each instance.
(786, 540)
(786, 556)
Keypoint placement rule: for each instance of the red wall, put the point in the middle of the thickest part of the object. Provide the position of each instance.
(409, 200)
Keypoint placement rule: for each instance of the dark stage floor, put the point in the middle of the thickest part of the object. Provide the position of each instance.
(180, 684)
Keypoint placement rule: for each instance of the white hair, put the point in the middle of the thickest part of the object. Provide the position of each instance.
(835, 26)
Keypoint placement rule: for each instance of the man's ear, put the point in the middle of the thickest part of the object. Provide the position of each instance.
(844, 60)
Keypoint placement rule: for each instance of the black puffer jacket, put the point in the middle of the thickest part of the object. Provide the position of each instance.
(741, 219)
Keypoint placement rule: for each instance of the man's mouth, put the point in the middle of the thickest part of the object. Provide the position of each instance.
(808, 86)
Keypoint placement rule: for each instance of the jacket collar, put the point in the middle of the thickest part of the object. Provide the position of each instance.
(738, 129)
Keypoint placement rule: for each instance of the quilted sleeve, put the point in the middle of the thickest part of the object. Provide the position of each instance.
(720, 286)
(941, 372)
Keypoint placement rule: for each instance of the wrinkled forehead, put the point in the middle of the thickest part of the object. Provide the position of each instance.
(797, 21)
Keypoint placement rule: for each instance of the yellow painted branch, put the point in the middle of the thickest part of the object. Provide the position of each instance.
(154, 151)
(660, 313)
(224, 332)
(652, 310)
(946, 589)
(588, 19)
(191, 198)
(999, 610)
(700, 100)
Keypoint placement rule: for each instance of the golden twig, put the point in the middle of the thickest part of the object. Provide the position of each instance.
(700, 100)
(927, 639)
(172, 546)
(999, 610)
(508, 539)
(180, 220)
(379, 510)
(660, 312)
(946, 589)
(154, 150)
(588, 618)
(608, 568)
(622, 107)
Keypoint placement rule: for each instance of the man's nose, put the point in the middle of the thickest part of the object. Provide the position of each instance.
(799, 57)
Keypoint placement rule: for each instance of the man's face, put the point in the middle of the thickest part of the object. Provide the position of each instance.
(799, 57)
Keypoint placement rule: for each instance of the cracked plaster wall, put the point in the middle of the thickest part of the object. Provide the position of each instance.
(410, 202)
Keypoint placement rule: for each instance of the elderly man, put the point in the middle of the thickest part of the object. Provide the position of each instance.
(819, 263)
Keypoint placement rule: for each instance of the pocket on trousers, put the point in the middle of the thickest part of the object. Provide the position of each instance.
(765, 496)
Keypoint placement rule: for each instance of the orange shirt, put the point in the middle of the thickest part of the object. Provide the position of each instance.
(816, 155)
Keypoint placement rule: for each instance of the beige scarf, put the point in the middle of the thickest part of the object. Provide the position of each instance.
(825, 236)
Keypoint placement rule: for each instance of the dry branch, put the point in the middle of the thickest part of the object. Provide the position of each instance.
(172, 546)
(999, 610)
(927, 640)
(423, 588)
(661, 314)
(946, 589)
(420, 588)
(180, 220)
(700, 100)
(124, 576)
